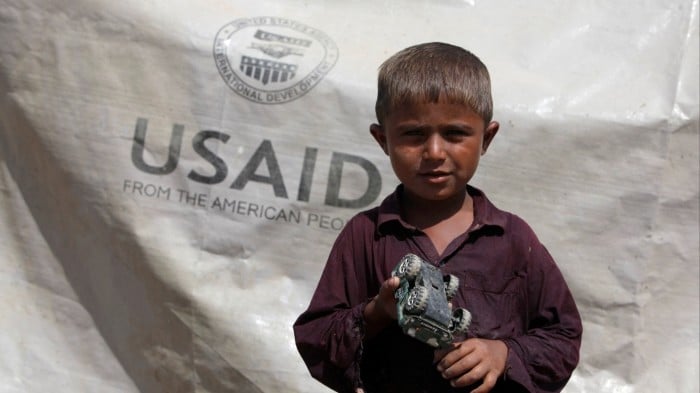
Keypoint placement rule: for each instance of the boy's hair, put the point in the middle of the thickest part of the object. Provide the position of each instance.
(430, 71)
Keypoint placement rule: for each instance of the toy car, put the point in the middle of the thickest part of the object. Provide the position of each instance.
(423, 300)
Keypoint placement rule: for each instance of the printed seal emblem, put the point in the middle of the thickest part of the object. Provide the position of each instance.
(272, 60)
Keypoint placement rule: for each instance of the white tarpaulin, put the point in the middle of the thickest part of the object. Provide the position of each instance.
(172, 176)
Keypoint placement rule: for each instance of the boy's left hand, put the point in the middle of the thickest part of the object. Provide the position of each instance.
(472, 360)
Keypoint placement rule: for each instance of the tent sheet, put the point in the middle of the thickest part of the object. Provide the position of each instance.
(173, 174)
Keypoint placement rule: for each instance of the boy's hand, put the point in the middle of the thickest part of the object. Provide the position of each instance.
(382, 309)
(385, 300)
(473, 360)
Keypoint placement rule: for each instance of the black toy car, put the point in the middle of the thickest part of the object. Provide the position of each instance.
(423, 300)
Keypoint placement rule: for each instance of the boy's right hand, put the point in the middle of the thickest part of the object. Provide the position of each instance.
(385, 300)
(381, 310)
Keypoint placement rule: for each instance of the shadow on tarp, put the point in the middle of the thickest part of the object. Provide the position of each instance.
(131, 306)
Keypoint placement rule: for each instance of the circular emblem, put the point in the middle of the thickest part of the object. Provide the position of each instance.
(272, 60)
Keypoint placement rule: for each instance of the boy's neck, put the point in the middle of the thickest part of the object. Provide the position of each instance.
(424, 214)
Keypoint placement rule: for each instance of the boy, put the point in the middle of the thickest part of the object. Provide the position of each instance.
(434, 111)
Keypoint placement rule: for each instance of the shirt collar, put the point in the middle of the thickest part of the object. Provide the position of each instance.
(485, 213)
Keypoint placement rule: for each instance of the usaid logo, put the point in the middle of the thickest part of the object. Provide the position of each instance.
(272, 60)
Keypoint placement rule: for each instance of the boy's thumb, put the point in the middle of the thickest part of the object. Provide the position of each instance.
(394, 282)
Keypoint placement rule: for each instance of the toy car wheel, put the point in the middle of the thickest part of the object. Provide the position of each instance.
(451, 286)
(417, 300)
(461, 319)
(409, 266)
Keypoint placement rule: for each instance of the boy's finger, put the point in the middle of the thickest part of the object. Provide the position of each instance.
(488, 383)
(438, 354)
(394, 282)
(391, 284)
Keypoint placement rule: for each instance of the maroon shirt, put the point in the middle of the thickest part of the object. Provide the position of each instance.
(508, 281)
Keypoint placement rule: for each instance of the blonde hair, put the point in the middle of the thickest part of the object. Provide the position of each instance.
(430, 72)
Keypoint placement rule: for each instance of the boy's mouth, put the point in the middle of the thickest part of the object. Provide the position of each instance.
(434, 173)
(435, 176)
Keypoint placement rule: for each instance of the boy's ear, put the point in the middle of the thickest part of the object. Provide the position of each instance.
(489, 133)
(379, 135)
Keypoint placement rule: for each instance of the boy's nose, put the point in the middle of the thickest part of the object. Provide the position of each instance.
(433, 149)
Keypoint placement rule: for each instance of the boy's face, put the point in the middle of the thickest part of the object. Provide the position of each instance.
(434, 148)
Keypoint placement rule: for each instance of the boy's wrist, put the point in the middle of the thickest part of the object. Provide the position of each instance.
(375, 312)
(375, 317)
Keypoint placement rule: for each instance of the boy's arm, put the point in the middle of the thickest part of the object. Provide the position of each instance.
(330, 342)
(329, 333)
(381, 310)
(544, 358)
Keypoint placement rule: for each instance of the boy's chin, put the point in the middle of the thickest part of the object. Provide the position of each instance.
(440, 196)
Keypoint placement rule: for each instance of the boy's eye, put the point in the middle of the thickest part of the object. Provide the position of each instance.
(413, 132)
(456, 133)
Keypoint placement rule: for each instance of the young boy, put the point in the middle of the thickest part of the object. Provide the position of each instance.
(434, 111)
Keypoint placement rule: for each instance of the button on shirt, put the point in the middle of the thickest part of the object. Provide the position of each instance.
(508, 281)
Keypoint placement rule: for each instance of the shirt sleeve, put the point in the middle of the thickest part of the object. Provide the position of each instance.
(543, 359)
(329, 333)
